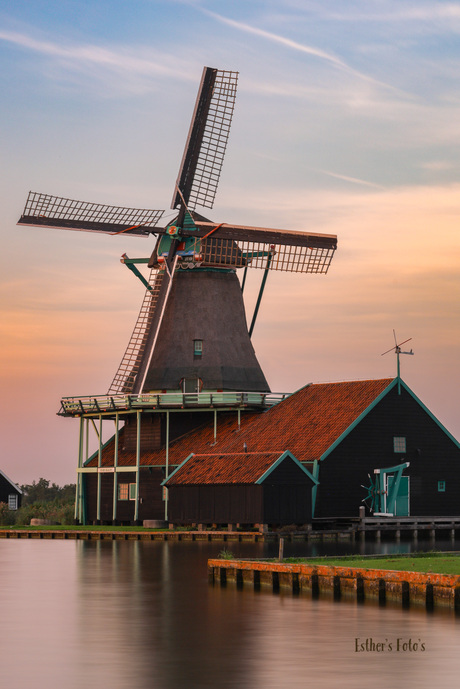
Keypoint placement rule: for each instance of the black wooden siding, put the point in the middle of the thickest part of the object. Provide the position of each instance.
(151, 505)
(283, 498)
(7, 489)
(433, 456)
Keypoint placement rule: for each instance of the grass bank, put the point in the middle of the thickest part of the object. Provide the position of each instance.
(426, 563)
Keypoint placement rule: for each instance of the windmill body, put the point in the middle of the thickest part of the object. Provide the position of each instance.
(190, 343)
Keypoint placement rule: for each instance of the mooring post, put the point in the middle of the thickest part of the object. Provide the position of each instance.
(281, 550)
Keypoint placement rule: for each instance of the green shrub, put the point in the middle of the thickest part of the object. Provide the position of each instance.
(7, 516)
(226, 555)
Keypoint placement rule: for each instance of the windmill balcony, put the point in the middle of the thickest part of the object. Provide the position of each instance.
(109, 404)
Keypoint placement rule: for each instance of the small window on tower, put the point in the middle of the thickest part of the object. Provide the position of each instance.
(399, 444)
(197, 347)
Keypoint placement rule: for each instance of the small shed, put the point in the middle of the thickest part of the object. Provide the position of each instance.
(244, 488)
(10, 493)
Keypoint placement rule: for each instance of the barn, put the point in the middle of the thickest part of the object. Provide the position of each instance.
(10, 493)
(368, 442)
(240, 488)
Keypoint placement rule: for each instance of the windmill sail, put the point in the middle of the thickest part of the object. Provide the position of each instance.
(204, 152)
(67, 214)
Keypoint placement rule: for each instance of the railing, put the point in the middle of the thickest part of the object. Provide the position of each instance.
(75, 406)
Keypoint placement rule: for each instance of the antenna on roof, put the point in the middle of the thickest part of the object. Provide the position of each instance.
(397, 350)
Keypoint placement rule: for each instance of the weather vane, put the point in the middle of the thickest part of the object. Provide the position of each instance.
(397, 349)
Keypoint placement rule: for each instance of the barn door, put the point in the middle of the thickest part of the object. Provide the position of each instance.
(401, 500)
(388, 493)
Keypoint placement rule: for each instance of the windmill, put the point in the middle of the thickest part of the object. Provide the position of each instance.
(191, 333)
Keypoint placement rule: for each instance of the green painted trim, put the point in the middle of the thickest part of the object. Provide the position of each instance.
(115, 464)
(135, 260)
(280, 459)
(430, 414)
(358, 419)
(163, 483)
(139, 275)
(314, 489)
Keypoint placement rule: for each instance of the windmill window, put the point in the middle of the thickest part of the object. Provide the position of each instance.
(399, 444)
(197, 347)
(441, 486)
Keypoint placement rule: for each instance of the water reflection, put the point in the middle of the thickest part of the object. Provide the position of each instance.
(141, 614)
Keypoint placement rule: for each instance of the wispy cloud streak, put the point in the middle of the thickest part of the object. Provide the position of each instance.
(84, 56)
(294, 45)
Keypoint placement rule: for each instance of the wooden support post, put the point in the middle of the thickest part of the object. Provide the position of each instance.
(281, 550)
(77, 514)
(167, 465)
(115, 473)
(405, 594)
(295, 583)
(99, 475)
(336, 587)
(382, 592)
(378, 535)
(138, 461)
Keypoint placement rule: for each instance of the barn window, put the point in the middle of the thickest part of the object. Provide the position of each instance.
(399, 444)
(123, 491)
(441, 486)
(126, 491)
(197, 347)
(12, 501)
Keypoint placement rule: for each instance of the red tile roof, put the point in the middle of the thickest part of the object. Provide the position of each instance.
(307, 423)
(238, 467)
(310, 421)
(201, 439)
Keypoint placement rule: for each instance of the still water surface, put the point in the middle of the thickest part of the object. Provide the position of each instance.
(138, 615)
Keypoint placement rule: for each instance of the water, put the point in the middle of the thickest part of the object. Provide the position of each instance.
(141, 615)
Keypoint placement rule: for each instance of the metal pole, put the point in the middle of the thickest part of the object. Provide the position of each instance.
(261, 291)
(244, 278)
(215, 425)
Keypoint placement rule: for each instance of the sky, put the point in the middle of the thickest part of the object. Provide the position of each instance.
(347, 122)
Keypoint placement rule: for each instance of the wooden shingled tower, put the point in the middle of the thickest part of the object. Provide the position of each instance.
(191, 336)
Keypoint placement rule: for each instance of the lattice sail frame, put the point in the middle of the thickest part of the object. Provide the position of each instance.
(208, 165)
(56, 211)
(287, 258)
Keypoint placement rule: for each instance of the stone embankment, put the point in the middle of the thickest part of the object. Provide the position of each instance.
(431, 590)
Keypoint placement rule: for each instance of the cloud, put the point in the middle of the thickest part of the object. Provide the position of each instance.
(294, 45)
(96, 61)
